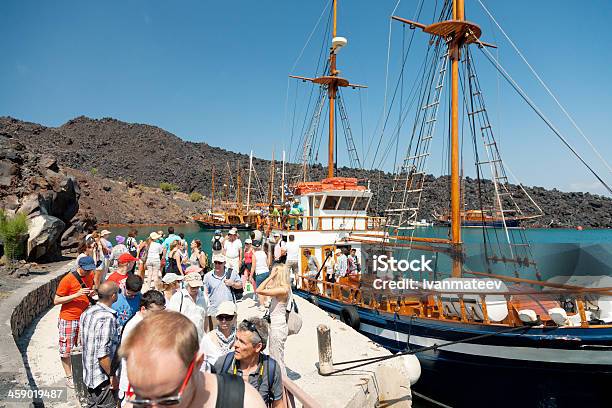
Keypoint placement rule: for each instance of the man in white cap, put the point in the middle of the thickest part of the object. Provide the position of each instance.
(232, 249)
(191, 301)
(219, 283)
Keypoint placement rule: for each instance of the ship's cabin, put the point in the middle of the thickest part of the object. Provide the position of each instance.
(333, 204)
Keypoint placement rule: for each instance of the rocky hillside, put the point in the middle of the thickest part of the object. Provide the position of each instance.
(138, 154)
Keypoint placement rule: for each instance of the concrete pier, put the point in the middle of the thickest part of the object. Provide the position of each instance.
(354, 388)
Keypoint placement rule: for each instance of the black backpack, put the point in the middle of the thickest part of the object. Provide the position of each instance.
(216, 245)
(270, 362)
(230, 391)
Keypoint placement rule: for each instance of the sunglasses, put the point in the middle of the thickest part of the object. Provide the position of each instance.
(165, 401)
(252, 328)
(225, 318)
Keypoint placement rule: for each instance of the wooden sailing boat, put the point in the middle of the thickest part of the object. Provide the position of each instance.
(233, 214)
(533, 341)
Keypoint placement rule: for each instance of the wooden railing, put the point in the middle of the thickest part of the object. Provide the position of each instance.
(294, 393)
(329, 223)
(428, 303)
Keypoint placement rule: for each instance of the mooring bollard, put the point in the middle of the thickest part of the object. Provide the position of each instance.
(326, 365)
(76, 359)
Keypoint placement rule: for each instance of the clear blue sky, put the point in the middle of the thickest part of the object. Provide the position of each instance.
(216, 71)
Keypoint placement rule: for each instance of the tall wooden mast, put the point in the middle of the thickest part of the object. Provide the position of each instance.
(333, 82)
(212, 194)
(455, 180)
(456, 33)
(331, 93)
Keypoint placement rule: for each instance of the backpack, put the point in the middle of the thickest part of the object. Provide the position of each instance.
(131, 245)
(216, 245)
(270, 362)
(230, 391)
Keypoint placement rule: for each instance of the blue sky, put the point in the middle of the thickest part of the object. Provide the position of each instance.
(217, 71)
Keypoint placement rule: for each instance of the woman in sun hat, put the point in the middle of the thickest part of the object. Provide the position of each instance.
(220, 341)
(170, 284)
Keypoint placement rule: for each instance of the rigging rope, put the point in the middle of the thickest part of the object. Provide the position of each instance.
(537, 110)
(533, 71)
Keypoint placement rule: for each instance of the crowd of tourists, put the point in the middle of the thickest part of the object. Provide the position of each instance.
(155, 320)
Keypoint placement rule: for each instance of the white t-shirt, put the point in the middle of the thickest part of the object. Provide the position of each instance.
(261, 262)
(155, 250)
(293, 251)
(232, 249)
(129, 326)
(195, 311)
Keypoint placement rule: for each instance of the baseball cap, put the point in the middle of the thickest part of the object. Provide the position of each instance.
(154, 236)
(226, 308)
(276, 234)
(338, 251)
(120, 239)
(233, 231)
(248, 241)
(218, 258)
(105, 232)
(171, 278)
(193, 279)
(87, 263)
(126, 257)
(217, 232)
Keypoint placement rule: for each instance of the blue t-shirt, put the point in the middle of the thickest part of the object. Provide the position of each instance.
(126, 307)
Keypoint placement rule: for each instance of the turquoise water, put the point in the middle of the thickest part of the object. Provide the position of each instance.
(555, 251)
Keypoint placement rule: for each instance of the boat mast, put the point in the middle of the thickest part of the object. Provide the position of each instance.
(333, 82)
(331, 92)
(248, 202)
(238, 192)
(283, 181)
(271, 182)
(212, 195)
(455, 179)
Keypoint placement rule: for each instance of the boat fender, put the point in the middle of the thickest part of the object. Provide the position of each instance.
(350, 317)
(314, 300)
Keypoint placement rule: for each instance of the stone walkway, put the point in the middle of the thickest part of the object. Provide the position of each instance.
(41, 344)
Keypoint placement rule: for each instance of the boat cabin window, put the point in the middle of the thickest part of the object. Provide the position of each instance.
(317, 201)
(361, 203)
(331, 202)
(346, 203)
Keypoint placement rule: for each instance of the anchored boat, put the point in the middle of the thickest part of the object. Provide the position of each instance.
(534, 339)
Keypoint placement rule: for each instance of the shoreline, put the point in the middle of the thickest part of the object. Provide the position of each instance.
(161, 224)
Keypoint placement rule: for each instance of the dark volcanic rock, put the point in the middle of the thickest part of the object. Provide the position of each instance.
(148, 155)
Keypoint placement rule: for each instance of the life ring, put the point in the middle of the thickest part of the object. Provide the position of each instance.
(350, 317)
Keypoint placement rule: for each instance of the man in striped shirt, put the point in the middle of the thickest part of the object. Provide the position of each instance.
(99, 337)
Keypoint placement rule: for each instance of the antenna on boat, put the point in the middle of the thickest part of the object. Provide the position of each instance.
(333, 82)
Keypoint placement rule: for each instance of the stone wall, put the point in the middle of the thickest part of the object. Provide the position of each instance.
(17, 312)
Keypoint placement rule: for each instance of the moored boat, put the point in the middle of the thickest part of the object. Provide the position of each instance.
(531, 340)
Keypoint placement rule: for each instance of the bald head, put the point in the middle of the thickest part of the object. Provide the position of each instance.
(106, 291)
